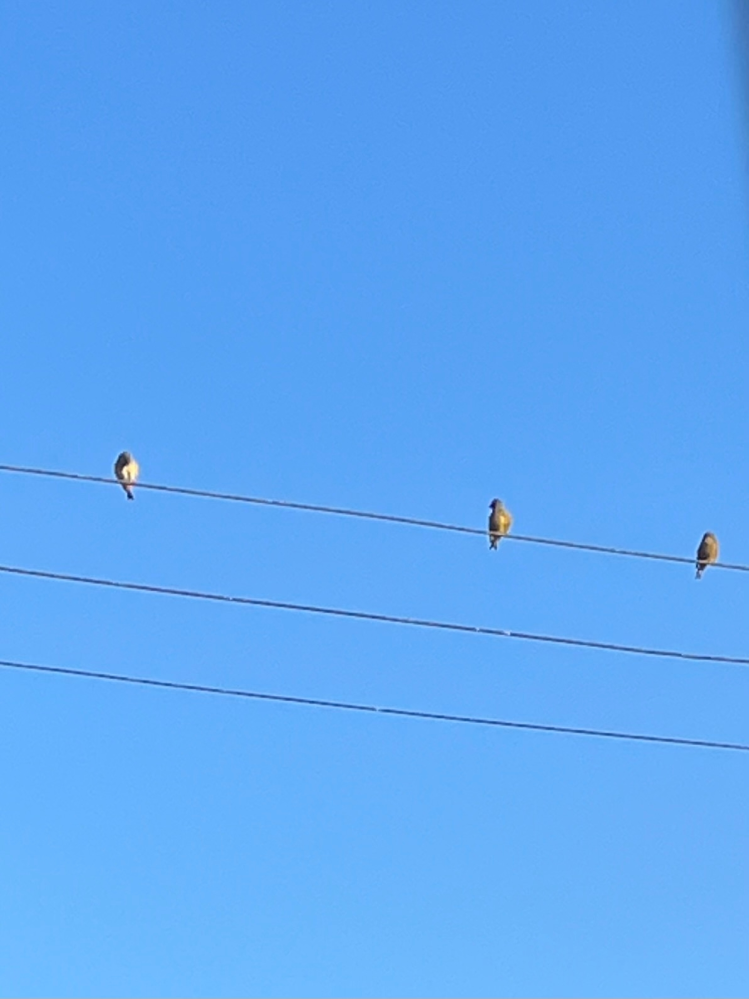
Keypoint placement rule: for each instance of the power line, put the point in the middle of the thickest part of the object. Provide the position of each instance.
(318, 702)
(415, 622)
(388, 518)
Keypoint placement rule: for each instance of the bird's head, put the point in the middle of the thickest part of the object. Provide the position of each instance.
(495, 503)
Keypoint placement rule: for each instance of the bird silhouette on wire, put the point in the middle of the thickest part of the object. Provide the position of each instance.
(126, 472)
(707, 553)
(500, 522)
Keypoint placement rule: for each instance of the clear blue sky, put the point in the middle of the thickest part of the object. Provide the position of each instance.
(405, 257)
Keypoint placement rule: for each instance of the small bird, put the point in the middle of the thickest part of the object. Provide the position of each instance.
(707, 553)
(126, 471)
(500, 522)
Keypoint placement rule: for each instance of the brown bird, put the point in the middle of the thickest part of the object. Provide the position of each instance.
(126, 472)
(500, 522)
(707, 553)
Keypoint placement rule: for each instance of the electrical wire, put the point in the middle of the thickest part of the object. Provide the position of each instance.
(388, 518)
(318, 702)
(415, 622)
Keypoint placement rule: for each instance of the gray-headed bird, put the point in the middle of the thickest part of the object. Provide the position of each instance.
(707, 553)
(126, 472)
(500, 522)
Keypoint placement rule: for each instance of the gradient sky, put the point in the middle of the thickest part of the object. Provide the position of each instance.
(404, 257)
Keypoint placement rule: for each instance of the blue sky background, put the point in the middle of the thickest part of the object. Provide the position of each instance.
(404, 257)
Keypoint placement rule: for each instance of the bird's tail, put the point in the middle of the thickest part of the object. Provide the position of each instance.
(493, 540)
(700, 570)
(129, 492)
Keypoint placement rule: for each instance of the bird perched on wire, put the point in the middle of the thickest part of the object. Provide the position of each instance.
(707, 553)
(500, 522)
(126, 472)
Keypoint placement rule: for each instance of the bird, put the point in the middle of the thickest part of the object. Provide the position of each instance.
(707, 553)
(500, 522)
(126, 471)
